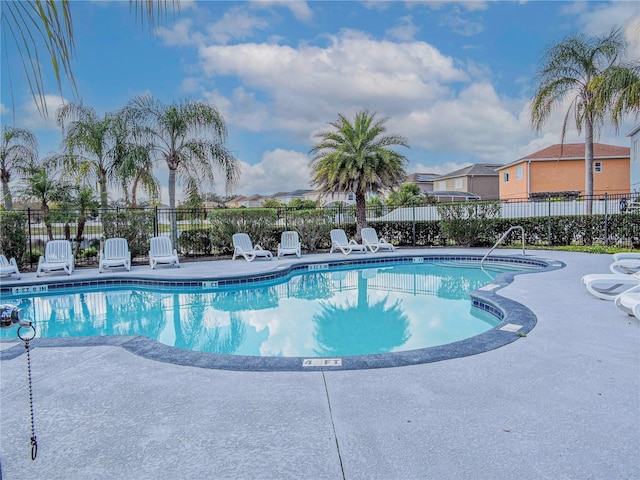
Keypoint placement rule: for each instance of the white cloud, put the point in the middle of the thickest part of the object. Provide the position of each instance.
(302, 88)
(277, 171)
(29, 116)
(299, 8)
(404, 31)
(460, 24)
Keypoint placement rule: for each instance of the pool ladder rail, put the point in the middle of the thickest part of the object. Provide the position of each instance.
(504, 235)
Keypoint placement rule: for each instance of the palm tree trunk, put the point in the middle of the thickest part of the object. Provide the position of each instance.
(172, 206)
(6, 195)
(588, 164)
(102, 180)
(361, 214)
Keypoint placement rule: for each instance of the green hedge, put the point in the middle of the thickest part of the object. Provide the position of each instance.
(14, 235)
(135, 226)
(259, 223)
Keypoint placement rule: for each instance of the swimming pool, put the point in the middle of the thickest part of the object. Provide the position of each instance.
(374, 311)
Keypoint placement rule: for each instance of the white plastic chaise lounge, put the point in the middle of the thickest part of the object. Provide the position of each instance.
(8, 267)
(57, 256)
(628, 300)
(115, 253)
(608, 286)
(339, 242)
(242, 246)
(625, 263)
(370, 240)
(161, 252)
(289, 244)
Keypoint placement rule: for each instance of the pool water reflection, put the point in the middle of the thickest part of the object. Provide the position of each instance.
(315, 314)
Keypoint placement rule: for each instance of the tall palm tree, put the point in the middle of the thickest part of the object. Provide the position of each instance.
(618, 89)
(89, 145)
(133, 163)
(189, 136)
(41, 183)
(19, 148)
(354, 157)
(34, 25)
(570, 68)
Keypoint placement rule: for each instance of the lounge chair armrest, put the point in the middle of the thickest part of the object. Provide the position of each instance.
(257, 247)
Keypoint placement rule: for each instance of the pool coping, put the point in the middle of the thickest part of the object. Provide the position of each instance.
(516, 320)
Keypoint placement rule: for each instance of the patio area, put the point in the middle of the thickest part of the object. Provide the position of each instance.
(561, 403)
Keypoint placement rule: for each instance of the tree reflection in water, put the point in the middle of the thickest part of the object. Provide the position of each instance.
(360, 328)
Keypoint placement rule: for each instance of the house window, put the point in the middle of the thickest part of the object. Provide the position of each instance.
(457, 183)
(505, 177)
(351, 197)
(441, 185)
(519, 173)
(597, 167)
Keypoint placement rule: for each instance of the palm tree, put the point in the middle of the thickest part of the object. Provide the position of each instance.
(132, 162)
(189, 136)
(34, 25)
(41, 184)
(618, 89)
(91, 147)
(572, 68)
(19, 148)
(353, 157)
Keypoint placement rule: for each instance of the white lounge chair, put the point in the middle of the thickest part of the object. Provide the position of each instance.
(57, 256)
(636, 310)
(339, 242)
(289, 244)
(626, 263)
(8, 267)
(628, 299)
(242, 246)
(115, 253)
(162, 252)
(608, 286)
(370, 240)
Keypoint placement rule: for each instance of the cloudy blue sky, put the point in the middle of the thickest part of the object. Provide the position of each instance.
(454, 77)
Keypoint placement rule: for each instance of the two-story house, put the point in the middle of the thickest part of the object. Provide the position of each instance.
(561, 168)
(479, 180)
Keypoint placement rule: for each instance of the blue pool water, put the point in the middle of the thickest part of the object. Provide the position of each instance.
(354, 311)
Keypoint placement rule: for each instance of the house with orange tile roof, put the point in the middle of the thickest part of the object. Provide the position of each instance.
(561, 168)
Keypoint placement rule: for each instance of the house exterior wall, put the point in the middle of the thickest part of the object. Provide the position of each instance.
(562, 175)
(486, 187)
(453, 184)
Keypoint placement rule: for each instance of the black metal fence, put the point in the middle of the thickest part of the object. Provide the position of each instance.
(613, 220)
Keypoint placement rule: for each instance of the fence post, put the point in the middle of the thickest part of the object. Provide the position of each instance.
(155, 221)
(549, 221)
(30, 238)
(606, 218)
(413, 226)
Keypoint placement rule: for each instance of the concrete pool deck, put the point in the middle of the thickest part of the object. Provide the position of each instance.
(561, 403)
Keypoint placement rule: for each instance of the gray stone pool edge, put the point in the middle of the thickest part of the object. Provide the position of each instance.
(508, 311)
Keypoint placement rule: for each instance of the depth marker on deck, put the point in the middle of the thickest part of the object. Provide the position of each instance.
(322, 362)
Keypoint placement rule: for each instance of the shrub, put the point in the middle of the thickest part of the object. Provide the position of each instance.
(135, 226)
(13, 235)
(313, 226)
(195, 242)
(257, 222)
(466, 223)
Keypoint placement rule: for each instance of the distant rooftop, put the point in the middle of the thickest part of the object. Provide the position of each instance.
(477, 169)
